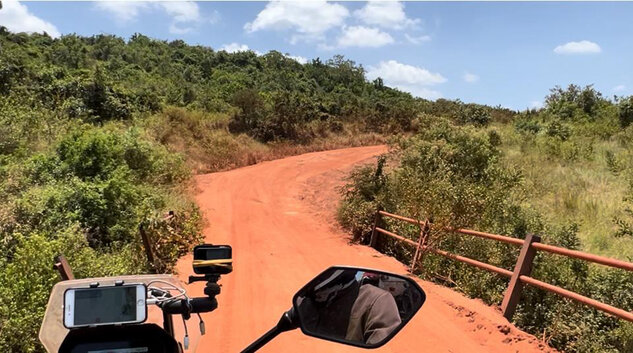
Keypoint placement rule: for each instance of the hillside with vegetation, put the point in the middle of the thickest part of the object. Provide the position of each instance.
(563, 172)
(100, 134)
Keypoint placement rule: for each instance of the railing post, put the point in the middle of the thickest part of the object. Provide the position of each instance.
(523, 267)
(374, 234)
(424, 233)
(63, 267)
(146, 244)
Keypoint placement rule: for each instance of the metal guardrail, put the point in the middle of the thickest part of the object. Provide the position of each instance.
(66, 273)
(522, 268)
(147, 242)
(63, 267)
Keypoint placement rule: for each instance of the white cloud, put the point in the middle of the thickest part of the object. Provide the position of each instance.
(297, 58)
(236, 47)
(359, 36)
(386, 14)
(122, 11)
(17, 18)
(394, 71)
(408, 78)
(308, 19)
(417, 40)
(470, 78)
(182, 11)
(417, 91)
(619, 88)
(582, 47)
(176, 28)
(536, 105)
(185, 15)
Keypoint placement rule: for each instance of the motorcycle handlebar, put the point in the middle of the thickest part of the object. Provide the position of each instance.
(191, 306)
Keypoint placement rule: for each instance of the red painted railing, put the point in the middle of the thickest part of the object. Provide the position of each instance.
(522, 268)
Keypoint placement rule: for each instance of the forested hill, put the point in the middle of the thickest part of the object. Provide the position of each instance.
(100, 134)
(104, 77)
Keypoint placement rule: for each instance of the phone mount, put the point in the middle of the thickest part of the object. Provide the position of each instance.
(209, 259)
(210, 262)
(212, 287)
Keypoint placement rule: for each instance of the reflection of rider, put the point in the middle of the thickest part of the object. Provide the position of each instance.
(342, 307)
(400, 291)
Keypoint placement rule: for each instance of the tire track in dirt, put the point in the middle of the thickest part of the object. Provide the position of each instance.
(278, 217)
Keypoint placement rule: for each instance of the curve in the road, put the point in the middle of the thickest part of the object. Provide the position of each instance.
(273, 216)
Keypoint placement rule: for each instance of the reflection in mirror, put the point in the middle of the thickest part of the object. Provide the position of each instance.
(358, 307)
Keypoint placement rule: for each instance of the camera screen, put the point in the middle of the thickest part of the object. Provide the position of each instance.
(105, 305)
(212, 254)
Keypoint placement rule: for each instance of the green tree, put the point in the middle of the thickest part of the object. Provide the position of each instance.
(625, 111)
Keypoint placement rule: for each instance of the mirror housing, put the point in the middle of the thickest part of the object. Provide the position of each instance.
(357, 306)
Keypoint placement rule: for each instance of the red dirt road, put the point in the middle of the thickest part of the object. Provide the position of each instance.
(278, 217)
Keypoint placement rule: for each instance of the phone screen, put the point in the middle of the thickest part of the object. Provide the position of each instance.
(105, 305)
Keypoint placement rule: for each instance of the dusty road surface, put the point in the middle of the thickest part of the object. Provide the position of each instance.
(278, 217)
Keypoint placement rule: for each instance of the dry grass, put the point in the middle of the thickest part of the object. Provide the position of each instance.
(585, 191)
(208, 146)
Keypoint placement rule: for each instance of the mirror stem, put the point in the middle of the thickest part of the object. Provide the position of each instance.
(288, 321)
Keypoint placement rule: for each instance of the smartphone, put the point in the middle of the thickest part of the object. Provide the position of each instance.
(124, 304)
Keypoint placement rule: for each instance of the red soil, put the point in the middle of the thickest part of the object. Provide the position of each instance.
(279, 218)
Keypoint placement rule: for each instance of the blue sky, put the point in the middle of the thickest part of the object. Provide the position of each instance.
(505, 53)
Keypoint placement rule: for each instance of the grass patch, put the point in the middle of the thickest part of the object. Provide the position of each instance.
(589, 191)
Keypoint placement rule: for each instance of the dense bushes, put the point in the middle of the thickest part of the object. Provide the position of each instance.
(446, 173)
(625, 111)
(574, 103)
(456, 176)
(90, 134)
(270, 97)
(91, 129)
(84, 197)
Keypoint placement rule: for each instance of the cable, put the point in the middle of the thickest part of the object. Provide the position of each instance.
(165, 291)
(186, 340)
(202, 328)
(163, 298)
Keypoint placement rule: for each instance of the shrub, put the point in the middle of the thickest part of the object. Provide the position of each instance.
(173, 238)
(614, 165)
(574, 103)
(556, 129)
(527, 126)
(252, 111)
(103, 101)
(450, 174)
(98, 154)
(453, 175)
(494, 138)
(474, 114)
(362, 193)
(625, 111)
(84, 198)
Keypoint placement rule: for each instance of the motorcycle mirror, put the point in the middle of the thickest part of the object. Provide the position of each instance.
(357, 306)
(350, 305)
